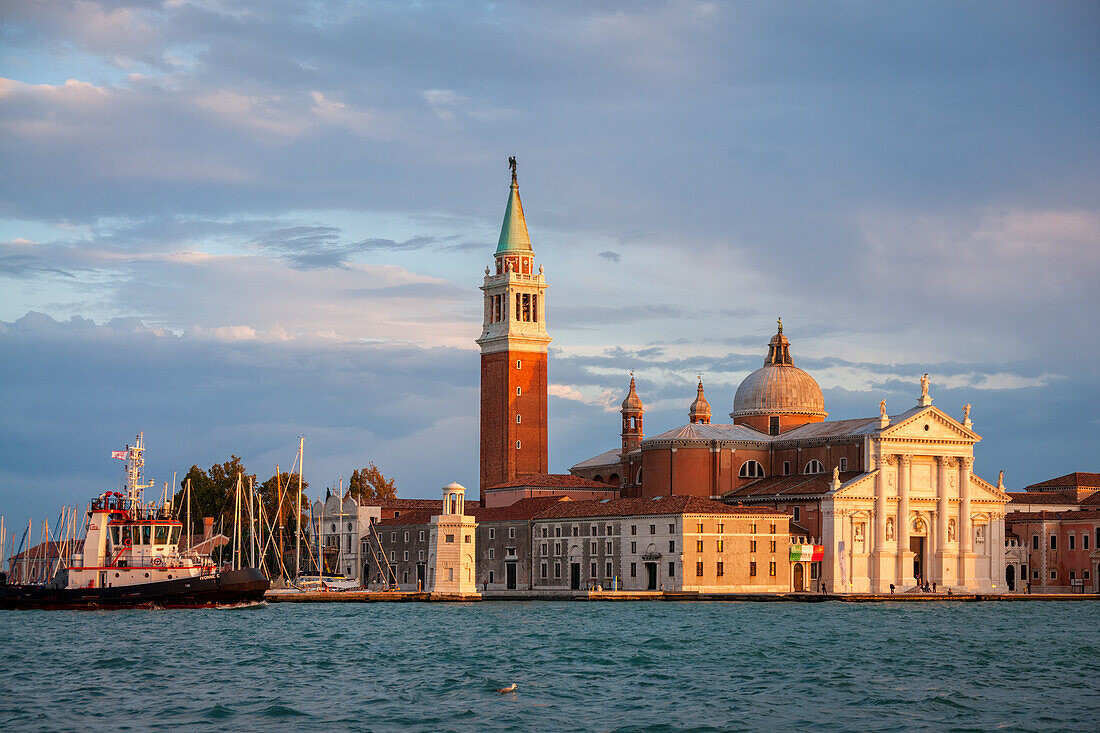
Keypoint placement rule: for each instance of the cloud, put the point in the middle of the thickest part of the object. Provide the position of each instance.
(611, 256)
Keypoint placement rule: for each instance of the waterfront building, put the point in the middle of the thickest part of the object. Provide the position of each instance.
(338, 524)
(451, 551)
(892, 497)
(36, 564)
(1062, 550)
(514, 346)
(672, 543)
(504, 537)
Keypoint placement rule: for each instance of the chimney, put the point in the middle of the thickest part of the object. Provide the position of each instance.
(207, 528)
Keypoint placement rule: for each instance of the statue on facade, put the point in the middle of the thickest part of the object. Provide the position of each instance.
(924, 385)
(889, 529)
(1001, 479)
(882, 409)
(951, 530)
(966, 412)
(836, 473)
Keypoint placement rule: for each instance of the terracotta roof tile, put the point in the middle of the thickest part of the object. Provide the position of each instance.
(552, 481)
(1040, 497)
(814, 484)
(1079, 479)
(664, 505)
(523, 509)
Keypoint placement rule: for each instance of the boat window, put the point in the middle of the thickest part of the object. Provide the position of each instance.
(126, 534)
(146, 530)
(160, 536)
(114, 535)
(175, 535)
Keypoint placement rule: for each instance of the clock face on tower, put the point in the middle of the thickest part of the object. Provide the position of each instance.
(514, 347)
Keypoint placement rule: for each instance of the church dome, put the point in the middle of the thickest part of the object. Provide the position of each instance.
(779, 387)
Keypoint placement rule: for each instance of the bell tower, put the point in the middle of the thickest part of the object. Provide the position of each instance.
(514, 346)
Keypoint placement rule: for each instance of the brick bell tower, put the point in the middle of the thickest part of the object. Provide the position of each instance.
(513, 344)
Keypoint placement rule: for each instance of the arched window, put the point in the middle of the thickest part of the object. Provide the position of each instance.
(519, 391)
(349, 529)
(518, 420)
(334, 528)
(517, 445)
(751, 469)
(814, 466)
(613, 479)
(638, 478)
(598, 477)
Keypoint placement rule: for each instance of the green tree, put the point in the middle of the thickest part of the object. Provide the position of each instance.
(369, 484)
(212, 493)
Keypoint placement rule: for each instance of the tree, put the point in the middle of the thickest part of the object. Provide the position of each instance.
(212, 493)
(369, 484)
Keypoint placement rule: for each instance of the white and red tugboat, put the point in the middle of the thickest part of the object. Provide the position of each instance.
(130, 557)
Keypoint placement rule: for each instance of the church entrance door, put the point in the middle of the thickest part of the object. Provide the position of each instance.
(1010, 576)
(575, 576)
(651, 576)
(799, 578)
(420, 568)
(510, 569)
(916, 545)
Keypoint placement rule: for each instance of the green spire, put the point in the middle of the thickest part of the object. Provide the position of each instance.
(513, 233)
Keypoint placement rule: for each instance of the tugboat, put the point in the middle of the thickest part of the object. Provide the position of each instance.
(130, 557)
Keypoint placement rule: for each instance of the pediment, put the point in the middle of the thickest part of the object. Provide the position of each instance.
(982, 490)
(930, 423)
(859, 486)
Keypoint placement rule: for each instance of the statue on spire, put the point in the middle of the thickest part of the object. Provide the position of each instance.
(512, 165)
(780, 322)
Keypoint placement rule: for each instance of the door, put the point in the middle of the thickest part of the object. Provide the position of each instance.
(420, 576)
(1010, 576)
(916, 545)
(651, 576)
(510, 569)
(575, 576)
(799, 577)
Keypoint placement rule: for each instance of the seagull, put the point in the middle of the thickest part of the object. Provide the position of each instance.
(509, 688)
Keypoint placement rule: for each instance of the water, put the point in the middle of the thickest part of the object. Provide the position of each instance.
(577, 666)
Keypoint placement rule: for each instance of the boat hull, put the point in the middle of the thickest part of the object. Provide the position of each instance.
(231, 587)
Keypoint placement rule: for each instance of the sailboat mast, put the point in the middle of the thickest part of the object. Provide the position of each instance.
(252, 520)
(298, 511)
(189, 530)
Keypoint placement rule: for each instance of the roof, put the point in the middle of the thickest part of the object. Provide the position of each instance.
(413, 516)
(607, 458)
(700, 431)
(407, 503)
(834, 428)
(552, 481)
(523, 509)
(1078, 479)
(814, 484)
(1072, 515)
(676, 504)
(513, 232)
(1040, 497)
(40, 551)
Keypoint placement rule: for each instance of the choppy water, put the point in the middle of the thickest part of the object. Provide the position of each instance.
(577, 666)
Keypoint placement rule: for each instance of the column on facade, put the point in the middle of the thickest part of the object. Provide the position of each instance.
(905, 564)
(966, 542)
(942, 510)
(878, 549)
(996, 534)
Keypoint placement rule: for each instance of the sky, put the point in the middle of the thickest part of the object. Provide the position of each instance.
(228, 225)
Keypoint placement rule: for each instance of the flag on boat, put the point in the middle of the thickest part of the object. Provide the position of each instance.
(119, 454)
(807, 553)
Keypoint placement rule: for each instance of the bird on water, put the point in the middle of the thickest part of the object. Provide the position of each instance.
(509, 688)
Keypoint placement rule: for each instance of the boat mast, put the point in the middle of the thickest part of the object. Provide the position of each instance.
(281, 518)
(298, 512)
(252, 520)
(189, 530)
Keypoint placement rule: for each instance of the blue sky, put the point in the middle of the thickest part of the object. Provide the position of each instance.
(229, 224)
